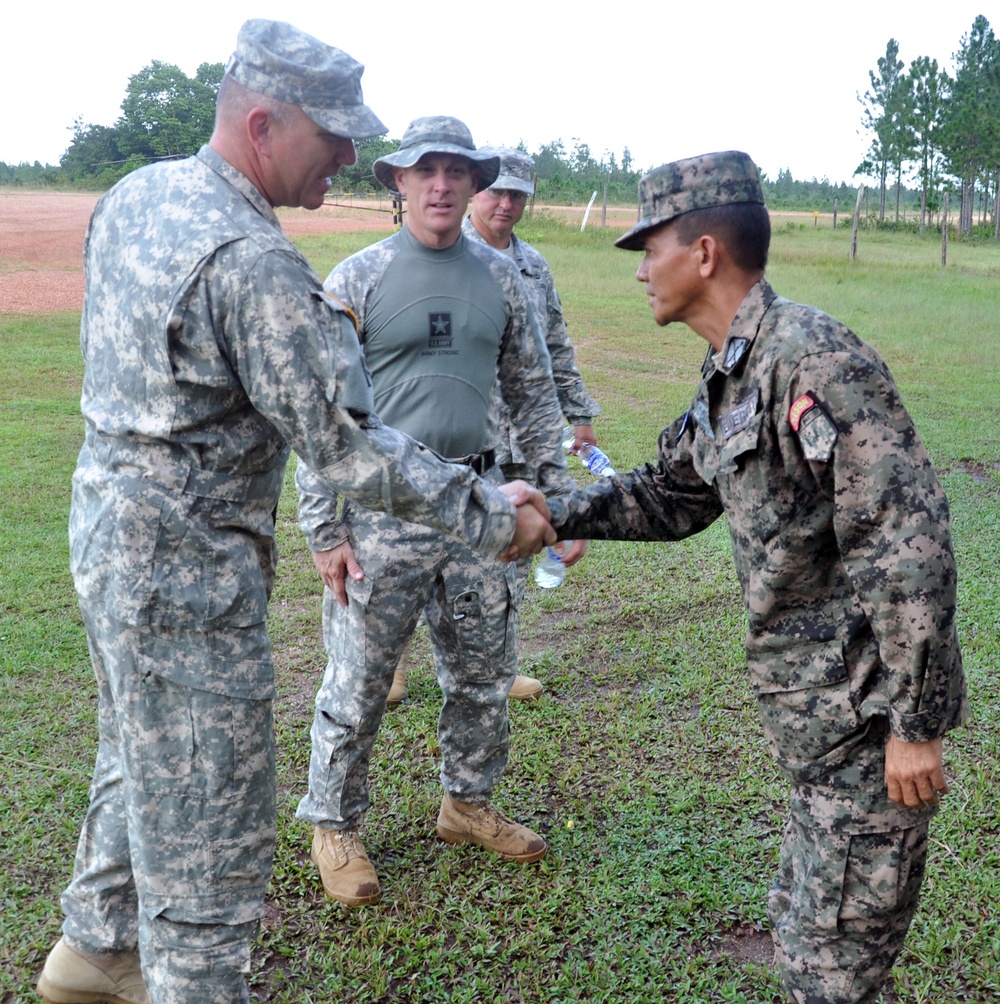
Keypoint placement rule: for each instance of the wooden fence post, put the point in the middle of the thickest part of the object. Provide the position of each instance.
(944, 232)
(854, 225)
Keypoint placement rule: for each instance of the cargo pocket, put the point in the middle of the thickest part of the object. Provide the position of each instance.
(804, 695)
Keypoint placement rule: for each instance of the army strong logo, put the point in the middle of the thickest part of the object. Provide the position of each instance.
(439, 330)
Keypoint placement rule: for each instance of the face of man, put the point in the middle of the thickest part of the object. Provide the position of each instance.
(672, 276)
(437, 189)
(304, 159)
(495, 213)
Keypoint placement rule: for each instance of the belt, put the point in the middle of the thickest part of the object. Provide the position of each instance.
(479, 462)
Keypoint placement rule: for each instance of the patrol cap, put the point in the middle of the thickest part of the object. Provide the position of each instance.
(517, 169)
(282, 62)
(436, 134)
(713, 179)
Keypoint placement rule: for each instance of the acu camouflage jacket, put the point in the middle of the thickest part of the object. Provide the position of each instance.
(210, 348)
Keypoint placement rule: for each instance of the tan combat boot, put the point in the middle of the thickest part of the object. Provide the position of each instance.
(397, 692)
(347, 874)
(485, 825)
(71, 976)
(525, 688)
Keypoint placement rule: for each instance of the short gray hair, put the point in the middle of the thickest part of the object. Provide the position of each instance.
(235, 102)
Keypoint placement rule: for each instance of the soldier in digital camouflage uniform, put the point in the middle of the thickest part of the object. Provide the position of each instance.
(441, 319)
(210, 348)
(495, 211)
(840, 535)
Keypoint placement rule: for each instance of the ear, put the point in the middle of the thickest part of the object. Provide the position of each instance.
(476, 174)
(259, 130)
(399, 176)
(706, 252)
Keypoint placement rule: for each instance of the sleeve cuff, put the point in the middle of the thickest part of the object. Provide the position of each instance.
(924, 725)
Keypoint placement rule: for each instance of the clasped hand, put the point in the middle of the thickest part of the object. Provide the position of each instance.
(530, 536)
(914, 772)
(533, 531)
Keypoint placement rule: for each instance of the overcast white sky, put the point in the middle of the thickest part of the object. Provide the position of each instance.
(778, 79)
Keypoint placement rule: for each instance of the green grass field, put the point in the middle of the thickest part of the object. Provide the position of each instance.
(643, 764)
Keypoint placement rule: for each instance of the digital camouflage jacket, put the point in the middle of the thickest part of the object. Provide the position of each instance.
(839, 525)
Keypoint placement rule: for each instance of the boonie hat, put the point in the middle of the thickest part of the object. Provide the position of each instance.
(282, 62)
(436, 134)
(713, 179)
(516, 169)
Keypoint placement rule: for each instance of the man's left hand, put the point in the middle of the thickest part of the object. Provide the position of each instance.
(582, 436)
(914, 772)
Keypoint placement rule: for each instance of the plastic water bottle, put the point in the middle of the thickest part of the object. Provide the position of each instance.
(594, 459)
(550, 571)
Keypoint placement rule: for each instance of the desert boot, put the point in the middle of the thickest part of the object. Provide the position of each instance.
(525, 688)
(485, 825)
(72, 976)
(347, 874)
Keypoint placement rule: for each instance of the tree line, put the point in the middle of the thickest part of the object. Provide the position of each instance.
(927, 129)
(941, 130)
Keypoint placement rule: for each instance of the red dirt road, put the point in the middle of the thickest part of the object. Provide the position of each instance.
(41, 243)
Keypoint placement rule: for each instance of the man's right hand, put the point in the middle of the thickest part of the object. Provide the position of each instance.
(533, 531)
(334, 566)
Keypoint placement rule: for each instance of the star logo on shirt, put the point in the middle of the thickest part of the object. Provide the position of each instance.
(439, 329)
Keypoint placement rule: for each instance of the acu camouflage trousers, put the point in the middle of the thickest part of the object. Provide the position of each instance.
(176, 848)
(467, 600)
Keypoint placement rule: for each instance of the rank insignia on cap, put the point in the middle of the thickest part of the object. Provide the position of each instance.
(799, 407)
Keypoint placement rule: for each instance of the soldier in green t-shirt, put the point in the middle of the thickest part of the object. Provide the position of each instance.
(441, 319)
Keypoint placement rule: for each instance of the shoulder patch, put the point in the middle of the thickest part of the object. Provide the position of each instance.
(799, 407)
(817, 435)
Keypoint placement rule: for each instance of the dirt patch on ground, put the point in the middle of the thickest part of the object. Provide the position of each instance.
(41, 242)
(41, 237)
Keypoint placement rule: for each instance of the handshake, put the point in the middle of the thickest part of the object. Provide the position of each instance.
(533, 531)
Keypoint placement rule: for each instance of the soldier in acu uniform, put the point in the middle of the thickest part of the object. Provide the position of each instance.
(441, 320)
(841, 539)
(494, 212)
(210, 349)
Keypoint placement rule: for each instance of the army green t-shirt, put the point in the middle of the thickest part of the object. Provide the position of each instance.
(432, 335)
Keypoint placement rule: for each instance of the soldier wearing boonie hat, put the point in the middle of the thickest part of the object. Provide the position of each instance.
(840, 534)
(436, 134)
(442, 320)
(210, 349)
